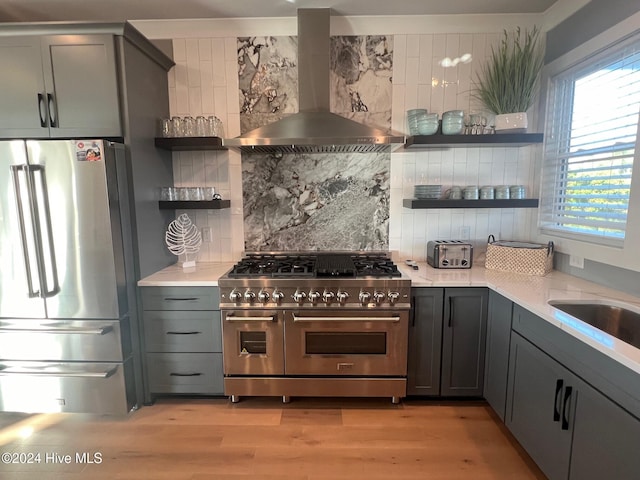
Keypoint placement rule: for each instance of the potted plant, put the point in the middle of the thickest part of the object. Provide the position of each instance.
(508, 82)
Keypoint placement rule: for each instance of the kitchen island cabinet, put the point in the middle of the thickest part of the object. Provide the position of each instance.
(59, 86)
(447, 342)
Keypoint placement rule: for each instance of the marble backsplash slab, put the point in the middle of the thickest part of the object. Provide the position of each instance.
(316, 201)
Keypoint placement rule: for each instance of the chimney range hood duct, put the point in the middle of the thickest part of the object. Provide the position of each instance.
(315, 129)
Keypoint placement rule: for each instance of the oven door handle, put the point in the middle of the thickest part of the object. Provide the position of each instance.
(394, 318)
(230, 317)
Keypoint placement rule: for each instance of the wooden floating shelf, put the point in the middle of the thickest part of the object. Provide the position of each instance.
(190, 143)
(194, 204)
(445, 203)
(493, 140)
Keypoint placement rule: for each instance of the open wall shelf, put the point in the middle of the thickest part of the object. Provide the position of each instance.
(194, 204)
(416, 203)
(493, 140)
(190, 143)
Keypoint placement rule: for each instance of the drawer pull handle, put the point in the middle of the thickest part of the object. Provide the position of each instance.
(184, 333)
(173, 374)
(58, 330)
(183, 299)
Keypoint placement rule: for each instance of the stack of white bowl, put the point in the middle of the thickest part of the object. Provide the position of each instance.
(413, 119)
(427, 191)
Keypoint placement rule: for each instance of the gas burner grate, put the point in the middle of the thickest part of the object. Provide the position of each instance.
(375, 266)
(335, 266)
(268, 266)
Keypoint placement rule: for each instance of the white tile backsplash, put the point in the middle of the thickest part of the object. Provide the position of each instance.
(205, 82)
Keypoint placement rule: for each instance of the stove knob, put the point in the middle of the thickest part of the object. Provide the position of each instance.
(263, 296)
(364, 297)
(299, 297)
(277, 296)
(379, 297)
(235, 296)
(342, 297)
(314, 296)
(249, 296)
(393, 297)
(328, 297)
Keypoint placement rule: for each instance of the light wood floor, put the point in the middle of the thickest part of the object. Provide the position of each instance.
(261, 438)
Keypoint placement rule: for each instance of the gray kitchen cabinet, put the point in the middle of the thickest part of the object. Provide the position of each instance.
(575, 410)
(59, 86)
(497, 352)
(463, 341)
(425, 342)
(539, 407)
(183, 340)
(447, 342)
(605, 439)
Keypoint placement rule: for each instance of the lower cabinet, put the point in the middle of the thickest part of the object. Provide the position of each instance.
(497, 352)
(570, 429)
(464, 334)
(447, 341)
(539, 407)
(183, 340)
(425, 342)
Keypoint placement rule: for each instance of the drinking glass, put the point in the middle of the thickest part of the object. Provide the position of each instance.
(168, 194)
(201, 124)
(166, 128)
(189, 126)
(177, 127)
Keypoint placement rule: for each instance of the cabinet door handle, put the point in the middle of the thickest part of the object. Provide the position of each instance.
(42, 110)
(173, 374)
(183, 299)
(556, 400)
(413, 311)
(565, 408)
(183, 333)
(450, 310)
(53, 111)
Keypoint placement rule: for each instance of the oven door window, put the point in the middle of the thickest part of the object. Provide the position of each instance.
(253, 342)
(345, 343)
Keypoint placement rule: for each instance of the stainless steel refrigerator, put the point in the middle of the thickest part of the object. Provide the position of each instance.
(65, 333)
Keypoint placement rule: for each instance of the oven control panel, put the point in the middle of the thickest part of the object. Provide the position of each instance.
(395, 294)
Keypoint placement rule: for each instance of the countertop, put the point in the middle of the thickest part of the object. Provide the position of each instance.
(531, 292)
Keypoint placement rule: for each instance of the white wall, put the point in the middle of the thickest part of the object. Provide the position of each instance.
(204, 81)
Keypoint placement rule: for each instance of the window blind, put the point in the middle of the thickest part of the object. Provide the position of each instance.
(591, 137)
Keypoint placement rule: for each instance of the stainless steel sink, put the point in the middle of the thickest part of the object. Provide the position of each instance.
(620, 322)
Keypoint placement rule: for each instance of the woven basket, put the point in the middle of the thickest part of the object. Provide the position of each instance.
(519, 257)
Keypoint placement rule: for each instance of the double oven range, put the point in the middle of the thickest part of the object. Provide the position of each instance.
(315, 324)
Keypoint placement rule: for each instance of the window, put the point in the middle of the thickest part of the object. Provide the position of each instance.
(591, 137)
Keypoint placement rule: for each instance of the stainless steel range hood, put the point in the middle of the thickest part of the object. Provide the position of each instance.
(315, 129)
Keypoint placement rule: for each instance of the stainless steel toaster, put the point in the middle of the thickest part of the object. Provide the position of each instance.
(449, 254)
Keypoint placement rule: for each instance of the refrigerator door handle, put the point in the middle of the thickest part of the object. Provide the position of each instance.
(50, 262)
(15, 172)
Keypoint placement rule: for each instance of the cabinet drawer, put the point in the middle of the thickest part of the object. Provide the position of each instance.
(182, 331)
(180, 298)
(185, 373)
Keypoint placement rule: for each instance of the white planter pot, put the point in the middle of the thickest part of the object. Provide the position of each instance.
(511, 122)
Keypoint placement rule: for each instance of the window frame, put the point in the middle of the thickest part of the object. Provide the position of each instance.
(623, 254)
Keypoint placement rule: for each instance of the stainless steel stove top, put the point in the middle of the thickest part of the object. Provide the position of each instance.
(315, 280)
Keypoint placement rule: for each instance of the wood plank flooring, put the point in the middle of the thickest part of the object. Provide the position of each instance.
(261, 438)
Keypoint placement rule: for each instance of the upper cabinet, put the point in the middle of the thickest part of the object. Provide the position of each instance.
(59, 86)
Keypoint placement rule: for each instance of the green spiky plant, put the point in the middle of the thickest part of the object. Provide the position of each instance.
(508, 82)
